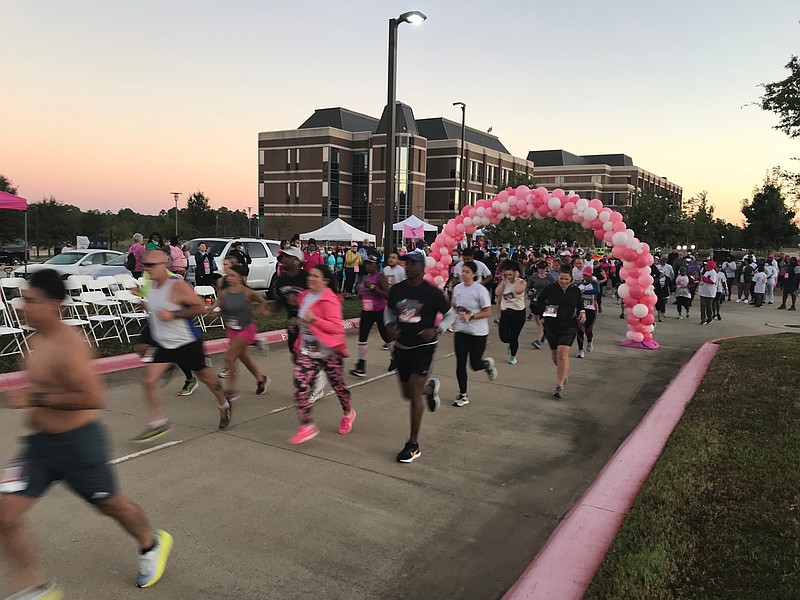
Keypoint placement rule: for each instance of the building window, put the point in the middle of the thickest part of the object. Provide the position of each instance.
(330, 210)
(476, 171)
(297, 193)
(451, 202)
(454, 171)
(360, 191)
(558, 180)
(288, 158)
(260, 190)
(261, 157)
(288, 192)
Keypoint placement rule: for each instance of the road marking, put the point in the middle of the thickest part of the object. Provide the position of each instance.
(128, 457)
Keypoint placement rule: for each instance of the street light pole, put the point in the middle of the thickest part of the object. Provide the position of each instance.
(462, 175)
(175, 195)
(414, 17)
(249, 210)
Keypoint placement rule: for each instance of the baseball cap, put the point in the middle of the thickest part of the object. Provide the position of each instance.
(371, 258)
(414, 256)
(296, 252)
(587, 270)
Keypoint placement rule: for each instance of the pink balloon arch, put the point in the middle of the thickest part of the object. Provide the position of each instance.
(637, 292)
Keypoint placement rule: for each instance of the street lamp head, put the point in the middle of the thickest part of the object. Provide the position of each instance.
(415, 17)
(461, 104)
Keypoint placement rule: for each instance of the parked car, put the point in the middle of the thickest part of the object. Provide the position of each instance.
(115, 266)
(76, 262)
(263, 252)
(12, 254)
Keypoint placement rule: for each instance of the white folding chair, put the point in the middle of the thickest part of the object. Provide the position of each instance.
(10, 288)
(208, 320)
(82, 280)
(130, 311)
(16, 316)
(109, 284)
(73, 317)
(125, 281)
(101, 312)
(17, 340)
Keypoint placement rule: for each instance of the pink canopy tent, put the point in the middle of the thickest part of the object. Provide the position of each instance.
(12, 202)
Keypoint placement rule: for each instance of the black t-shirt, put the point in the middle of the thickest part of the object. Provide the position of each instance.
(286, 285)
(564, 303)
(416, 309)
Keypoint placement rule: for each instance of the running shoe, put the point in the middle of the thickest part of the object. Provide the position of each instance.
(224, 374)
(148, 356)
(558, 392)
(432, 396)
(779, 308)
(680, 317)
(225, 415)
(151, 433)
(385, 347)
(792, 308)
(589, 346)
(512, 360)
(581, 354)
(359, 370)
(738, 300)
(745, 301)
(304, 433)
(537, 344)
(719, 317)
(153, 563)
(392, 367)
(263, 385)
(346, 424)
(46, 591)
(461, 400)
(188, 387)
(622, 316)
(232, 395)
(529, 317)
(497, 321)
(491, 371)
(409, 453)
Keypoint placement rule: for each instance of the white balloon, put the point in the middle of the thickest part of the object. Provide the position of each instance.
(512, 200)
(640, 311)
(439, 280)
(504, 207)
(582, 204)
(430, 262)
(554, 204)
(604, 217)
(623, 291)
(650, 328)
(467, 221)
(630, 334)
(444, 251)
(480, 210)
(608, 225)
(590, 214)
(619, 238)
(650, 290)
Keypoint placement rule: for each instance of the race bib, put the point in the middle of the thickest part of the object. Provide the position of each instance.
(15, 478)
(588, 303)
(366, 304)
(551, 310)
(355, 269)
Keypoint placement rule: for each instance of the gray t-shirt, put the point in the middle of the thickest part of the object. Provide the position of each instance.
(394, 274)
(471, 299)
(483, 271)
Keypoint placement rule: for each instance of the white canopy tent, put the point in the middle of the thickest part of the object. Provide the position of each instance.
(414, 223)
(338, 231)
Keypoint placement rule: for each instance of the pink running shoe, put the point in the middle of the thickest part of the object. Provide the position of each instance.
(346, 425)
(304, 433)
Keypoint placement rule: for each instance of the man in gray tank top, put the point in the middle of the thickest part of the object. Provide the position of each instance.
(171, 306)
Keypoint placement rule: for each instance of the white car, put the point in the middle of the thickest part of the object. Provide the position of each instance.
(76, 262)
(263, 269)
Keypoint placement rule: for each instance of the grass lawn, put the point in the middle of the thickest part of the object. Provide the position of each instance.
(350, 308)
(719, 516)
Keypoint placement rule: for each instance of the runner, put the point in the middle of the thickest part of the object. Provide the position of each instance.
(601, 275)
(410, 313)
(722, 292)
(662, 287)
(790, 283)
(68, 444)
(172, 305)
(760, 280)
(320, 347)
(236, 302)
(536, 283)
(373, 289)
(394, 272)
(473, 305)
(683, 295)
(511, 305)
(708, 291)
(590, 290)
(561, 307)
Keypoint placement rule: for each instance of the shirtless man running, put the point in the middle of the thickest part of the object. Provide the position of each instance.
(67, 443)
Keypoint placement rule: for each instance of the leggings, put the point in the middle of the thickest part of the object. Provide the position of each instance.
(305, 370)
(587, 328)
(684, 302)
(511, 324)
(471, 346)
(349, 279)
(368, 318)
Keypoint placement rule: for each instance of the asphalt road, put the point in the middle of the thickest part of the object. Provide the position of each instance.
(256, 518)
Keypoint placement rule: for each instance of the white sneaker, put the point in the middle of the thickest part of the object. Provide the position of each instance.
(589, 346)
(153, 563)
(738, 300)
(680, 317)
(581, 354)
(745, 301)
(461, 400)
(490, 369)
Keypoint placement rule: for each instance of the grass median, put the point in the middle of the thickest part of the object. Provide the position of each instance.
(350, 309)
(719, 516)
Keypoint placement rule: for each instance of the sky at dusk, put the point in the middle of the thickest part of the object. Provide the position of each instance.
(111, 104)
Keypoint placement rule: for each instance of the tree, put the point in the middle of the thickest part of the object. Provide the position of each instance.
(12, 222)
(701, 228)
(656, 219)
(7, 186)
(770, 223)
(783, 98)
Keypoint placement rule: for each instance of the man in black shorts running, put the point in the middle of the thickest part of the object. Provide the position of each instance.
(410, 314)
(67, 443)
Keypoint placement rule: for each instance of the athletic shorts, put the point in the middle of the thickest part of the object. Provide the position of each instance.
(560, 336)
(414, 361)
(248, 334)
(78, 457)
(189, 357)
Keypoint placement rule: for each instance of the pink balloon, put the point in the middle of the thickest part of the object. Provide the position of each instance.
(569, 208)
(617, 251)
(629, 255)
(639, 327)
(460, 227)
(637, 337)
(647, 336)
(502, 196)
(644, 260)
(558, 193)
(596, 204)
(450, 228)
(620, 226)
(522, 191)
(560, 215)
(599, 233)
(597, 223)
(465, 210)
(446, 259)
(630, 302)
(543, 210)
(624, 273)
(632, 319)
(608, 237)
(648, 319)
(645, 248)
(616, 217)
(540, 191)
(645, 280)
(635, 290)
(586, 224)
(513, 211)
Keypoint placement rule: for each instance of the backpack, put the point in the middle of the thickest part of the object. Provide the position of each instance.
(130, 262)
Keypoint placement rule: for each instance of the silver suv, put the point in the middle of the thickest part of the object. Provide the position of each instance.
(263, 252)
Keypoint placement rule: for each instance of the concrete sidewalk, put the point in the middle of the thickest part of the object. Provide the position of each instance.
(337, 517)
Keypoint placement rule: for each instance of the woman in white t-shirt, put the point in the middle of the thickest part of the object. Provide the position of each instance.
(760, 286)
(473, 305)
(511, 302)
(683, 295)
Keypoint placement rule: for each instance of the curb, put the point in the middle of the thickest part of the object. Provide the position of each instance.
(567, 563)
(123, 362)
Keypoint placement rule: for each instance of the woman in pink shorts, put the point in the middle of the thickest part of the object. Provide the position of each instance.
(236, 302)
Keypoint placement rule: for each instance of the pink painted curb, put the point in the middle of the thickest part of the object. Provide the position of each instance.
(566, 565)
(112, 364)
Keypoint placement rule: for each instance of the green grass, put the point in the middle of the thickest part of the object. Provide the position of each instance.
(719, 516)
(350, 309)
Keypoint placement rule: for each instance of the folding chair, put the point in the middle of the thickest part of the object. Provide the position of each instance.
(125, 281)
(208, 320)
(10, 288)
(109, 285)
(82, 280)
(73, 317)
(16, 317)
(130, 311)
(101, 312)
(7, 330)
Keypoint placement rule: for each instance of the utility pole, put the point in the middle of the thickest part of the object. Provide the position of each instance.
(249, 220)
(176, 195)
